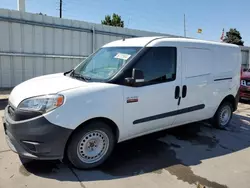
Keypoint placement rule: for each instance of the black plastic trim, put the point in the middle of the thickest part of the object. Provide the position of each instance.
(179, 101)
(184, 91)
(20, 115)
(177, 92)
(220, 79)
(169, 114)
(237, 99)
(45, 139)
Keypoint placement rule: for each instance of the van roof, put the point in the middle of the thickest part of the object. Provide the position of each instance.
(142, 41)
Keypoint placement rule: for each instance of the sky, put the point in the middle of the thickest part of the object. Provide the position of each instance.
(165, 16)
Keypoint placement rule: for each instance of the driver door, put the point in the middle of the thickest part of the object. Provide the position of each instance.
(152, 105)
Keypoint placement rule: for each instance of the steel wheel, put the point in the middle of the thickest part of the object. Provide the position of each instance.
(225, 115)
(93, 146)
(90, 145)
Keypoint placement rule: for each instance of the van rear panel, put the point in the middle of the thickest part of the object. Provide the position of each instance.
(210, 72)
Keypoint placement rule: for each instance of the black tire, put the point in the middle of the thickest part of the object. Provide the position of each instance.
(216, 119)
(72, 151)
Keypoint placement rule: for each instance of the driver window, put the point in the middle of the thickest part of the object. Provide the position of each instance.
(158, 65)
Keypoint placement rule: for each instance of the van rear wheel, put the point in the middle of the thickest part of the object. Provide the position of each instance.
(223, 115)
(90, 146)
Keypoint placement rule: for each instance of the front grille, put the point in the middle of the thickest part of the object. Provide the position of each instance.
(11, 112)
(245, 91)
(19, 115)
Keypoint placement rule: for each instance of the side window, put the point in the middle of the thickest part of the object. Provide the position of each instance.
(158, 65)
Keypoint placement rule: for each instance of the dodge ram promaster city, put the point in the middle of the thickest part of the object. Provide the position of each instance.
(126, 89)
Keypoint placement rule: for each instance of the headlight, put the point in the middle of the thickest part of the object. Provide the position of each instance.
(42, 103)
(243, 83)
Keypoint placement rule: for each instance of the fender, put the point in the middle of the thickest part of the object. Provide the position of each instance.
(85, 103)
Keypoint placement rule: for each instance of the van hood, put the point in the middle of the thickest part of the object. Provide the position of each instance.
(49, 84)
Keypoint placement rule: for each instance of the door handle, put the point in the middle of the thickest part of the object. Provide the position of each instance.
(177, 92)
(184, 91)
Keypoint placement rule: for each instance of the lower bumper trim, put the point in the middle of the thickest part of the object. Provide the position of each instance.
(16, 147)
(36, 138)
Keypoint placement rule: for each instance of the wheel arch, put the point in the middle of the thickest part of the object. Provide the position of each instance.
(230, 98)
(108, 121)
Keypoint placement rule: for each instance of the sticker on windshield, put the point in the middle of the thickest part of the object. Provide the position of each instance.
(122, 56)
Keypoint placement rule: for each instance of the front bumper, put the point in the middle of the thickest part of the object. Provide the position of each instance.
(245, 93)
(35, 138)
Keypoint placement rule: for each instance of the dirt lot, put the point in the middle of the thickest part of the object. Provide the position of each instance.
(180, 157)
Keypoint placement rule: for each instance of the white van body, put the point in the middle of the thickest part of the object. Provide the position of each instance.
(209, 71)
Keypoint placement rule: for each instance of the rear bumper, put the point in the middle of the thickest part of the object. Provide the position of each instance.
(35, 138)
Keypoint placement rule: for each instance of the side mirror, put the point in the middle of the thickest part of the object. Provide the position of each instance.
(137, 77)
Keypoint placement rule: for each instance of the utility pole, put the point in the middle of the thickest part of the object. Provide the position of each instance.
(60, 9)
(21, 5)
(185, 32)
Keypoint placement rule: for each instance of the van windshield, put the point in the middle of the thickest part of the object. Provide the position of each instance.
(105, 63)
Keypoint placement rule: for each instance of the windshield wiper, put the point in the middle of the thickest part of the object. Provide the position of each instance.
(80, 76)
(65, 73)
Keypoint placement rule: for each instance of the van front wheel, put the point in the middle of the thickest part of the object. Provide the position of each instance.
(223, 115)
(90, 146)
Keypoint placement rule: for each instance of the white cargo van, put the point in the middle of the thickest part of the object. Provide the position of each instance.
(126, 89)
